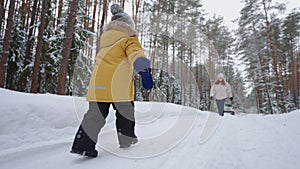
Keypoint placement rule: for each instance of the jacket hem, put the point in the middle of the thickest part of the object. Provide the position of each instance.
(109, 101)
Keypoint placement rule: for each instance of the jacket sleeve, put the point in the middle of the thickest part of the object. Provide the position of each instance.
(133, 49)
(228, 90)
(142, 65)
(212, 91)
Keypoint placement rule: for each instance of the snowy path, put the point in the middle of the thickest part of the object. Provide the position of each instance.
(239, 142)
(38, 136)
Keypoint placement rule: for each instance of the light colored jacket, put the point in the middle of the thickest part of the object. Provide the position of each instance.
(112, 78)
(220, 91)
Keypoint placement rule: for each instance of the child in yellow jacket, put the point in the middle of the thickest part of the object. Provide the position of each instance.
(112, 83)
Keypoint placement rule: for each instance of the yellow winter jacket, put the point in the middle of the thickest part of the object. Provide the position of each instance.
(112, 78)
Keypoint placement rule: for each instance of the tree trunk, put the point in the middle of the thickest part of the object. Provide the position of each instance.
(190, 72)
(94, 16)
(29, 42)
(154, 42)
(36, 68)
(294, 74)
(123, 4)
(298, 80)
(5, 50)
(132, 7)
(2, 13)
(23, 14)
(104, 15)
(92, 29)
(60, 7)
(67, 48)
(87, 13)
(137, 5)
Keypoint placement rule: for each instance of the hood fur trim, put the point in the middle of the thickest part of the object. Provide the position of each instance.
(122, 26)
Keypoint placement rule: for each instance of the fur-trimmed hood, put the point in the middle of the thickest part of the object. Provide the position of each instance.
(121, 26)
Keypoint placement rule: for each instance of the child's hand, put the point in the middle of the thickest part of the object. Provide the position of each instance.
(147, 80)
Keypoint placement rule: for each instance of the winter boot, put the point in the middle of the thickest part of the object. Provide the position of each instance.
(83, 144)
(92, 153)
(126, 141)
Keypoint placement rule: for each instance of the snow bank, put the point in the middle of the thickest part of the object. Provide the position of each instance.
(40, 127)
(28, 120)
(35, 120)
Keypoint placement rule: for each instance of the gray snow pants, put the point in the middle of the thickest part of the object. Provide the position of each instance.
(95, 117)
(220, 105)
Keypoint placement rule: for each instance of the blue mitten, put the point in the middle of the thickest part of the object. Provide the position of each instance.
(147, 80)
(142, 66)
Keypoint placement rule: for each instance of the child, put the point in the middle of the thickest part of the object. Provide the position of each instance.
(120, 57)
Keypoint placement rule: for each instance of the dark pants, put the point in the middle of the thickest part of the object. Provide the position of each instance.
(220, 105)
(94, 120)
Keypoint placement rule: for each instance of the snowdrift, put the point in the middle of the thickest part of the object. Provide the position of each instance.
(36, 131)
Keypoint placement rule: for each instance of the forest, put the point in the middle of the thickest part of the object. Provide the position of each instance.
(49, 46)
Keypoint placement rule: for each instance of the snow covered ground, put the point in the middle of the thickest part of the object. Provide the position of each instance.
(36, 131)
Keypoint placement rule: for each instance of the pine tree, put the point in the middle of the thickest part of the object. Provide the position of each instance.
(80, 67)
(278, 85)
(28, 52)
(36, 68)
(61, 89)
(16, 54)
(252, 39)
(291, 27)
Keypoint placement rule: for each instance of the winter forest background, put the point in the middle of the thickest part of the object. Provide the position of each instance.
(48, 46)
